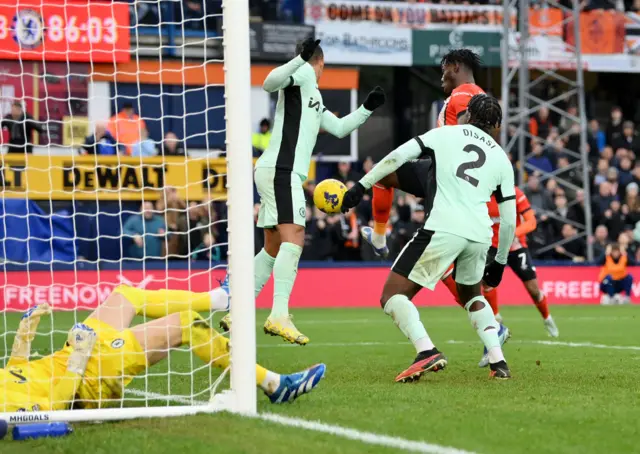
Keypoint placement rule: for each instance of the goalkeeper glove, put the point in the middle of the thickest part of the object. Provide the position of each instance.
(352, 197)
(375, 99)
(29, 322)
(308, 48)
(493, 274)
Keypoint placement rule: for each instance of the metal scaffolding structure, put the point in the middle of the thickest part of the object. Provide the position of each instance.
(525, 73)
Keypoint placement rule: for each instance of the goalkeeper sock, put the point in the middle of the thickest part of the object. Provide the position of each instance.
(213, 348)
(407, 318)
(285, 270)
(487, 328)
(160, 303)
(263, 266)
(381, 207)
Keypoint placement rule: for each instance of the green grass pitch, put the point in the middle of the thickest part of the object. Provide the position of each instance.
(567, 396)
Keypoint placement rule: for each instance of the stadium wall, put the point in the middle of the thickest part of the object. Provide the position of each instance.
(317, 286)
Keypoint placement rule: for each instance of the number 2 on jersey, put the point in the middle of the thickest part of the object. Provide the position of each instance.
(482, 157)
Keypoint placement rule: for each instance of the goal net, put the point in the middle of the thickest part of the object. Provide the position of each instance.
(126, 164)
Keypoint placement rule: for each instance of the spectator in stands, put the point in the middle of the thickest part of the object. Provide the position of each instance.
(101, 142)
(540, 124)
(538, 197)
(260, 139)
(627, 139)
(615, 219)
(596, 137)
(601, 172)
(127, 127)
(576, 212)
(21, 126)
(574, 248)
(571, 175)
(615, 281)
(147, 231)
(172, 207)
(632, 201)
(602, 200)
(615, 124)
(146, 147)
(600, 241)
(207, 250)
(171, 145)
(624, 174)
(346, 173)
(555, 151)
(539, 160)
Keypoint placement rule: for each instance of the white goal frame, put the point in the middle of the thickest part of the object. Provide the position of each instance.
(242, 397)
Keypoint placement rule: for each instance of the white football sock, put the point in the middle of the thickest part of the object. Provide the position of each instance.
(407, 318)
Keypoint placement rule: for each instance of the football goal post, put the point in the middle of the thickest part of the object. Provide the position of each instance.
(127, 159)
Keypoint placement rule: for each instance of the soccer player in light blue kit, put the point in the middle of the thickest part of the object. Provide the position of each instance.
(467, 167)
(284, 166)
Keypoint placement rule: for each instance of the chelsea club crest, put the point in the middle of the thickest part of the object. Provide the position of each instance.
(28, 28)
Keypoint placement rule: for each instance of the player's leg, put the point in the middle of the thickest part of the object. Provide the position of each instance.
(521, 263)
(263, 267)
(291, 208)
(627, 285)
(608, 290)
(469, 271)
(412, 178)
(417, 266)
(189, 328)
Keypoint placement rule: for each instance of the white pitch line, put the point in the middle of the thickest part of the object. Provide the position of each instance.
(453, 341)
(579, 344)
(364, 437)
(317, 426)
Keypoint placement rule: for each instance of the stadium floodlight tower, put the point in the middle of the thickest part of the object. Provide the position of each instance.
(520, 56)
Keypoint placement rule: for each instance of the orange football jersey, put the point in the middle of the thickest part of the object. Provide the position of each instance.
(456, 104)
(522, 206)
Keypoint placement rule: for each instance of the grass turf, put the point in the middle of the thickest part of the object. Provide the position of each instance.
(563, 398)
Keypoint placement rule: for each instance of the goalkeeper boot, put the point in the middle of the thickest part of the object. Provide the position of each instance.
(284, 327)
(295, 385)
(82, 339)
(503, 334)
(500, 371)
(367, 235)
(427, 361)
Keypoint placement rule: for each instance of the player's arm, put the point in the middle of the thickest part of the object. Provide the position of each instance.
(82, 339)
(283, 76)
(524, 210)
(506, 198)
(342, 127)
(405, 152)
(528, 223)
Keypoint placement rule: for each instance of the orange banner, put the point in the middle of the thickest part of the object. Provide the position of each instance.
(545, 21)
(602, 32)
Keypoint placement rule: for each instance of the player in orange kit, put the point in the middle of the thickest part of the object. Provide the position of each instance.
(520, 259)
(458, 67)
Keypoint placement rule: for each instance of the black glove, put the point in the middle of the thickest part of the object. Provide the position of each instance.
(308, 48)
(352, 197)
(493, 274)
(374, 99)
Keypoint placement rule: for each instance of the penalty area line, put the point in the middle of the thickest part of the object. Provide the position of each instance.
(369, 438)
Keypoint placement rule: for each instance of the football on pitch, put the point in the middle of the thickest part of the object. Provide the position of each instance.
(328, 195)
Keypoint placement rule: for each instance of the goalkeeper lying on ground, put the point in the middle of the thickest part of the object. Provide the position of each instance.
(103, 354)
